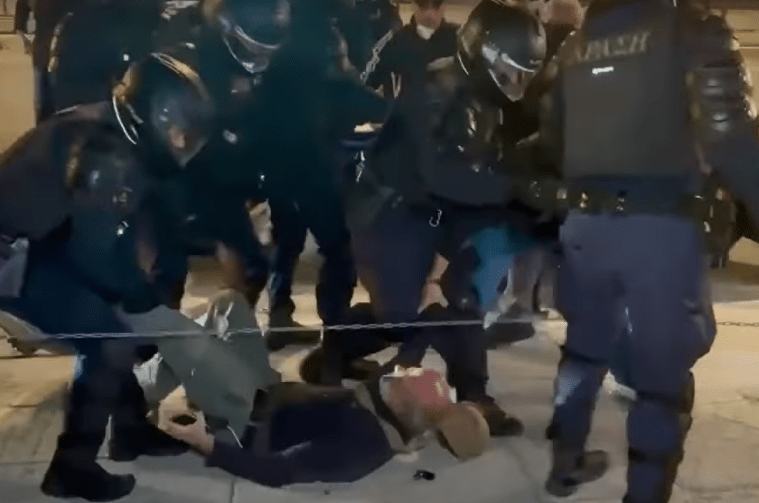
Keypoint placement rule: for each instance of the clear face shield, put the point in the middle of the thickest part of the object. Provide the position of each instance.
(252, 55)
(511, 78)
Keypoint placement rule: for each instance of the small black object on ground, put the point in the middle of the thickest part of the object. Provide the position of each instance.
(424, 475)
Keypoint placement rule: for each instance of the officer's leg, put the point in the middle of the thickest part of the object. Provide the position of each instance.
(132, 435)
(56, 303)
(672, 327)
(589, 297)
(43, 103)
(321, 209)
(289, 233)
(393, 257)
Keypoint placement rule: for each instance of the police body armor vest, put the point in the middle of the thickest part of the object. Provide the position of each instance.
(625, 105)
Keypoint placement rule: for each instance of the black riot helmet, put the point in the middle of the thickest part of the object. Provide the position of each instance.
(252, 30)
(505, 41)
(162, 105)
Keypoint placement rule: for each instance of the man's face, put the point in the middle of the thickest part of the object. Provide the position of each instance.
(427, 15)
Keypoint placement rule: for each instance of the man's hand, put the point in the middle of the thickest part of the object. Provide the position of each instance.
(195, 435)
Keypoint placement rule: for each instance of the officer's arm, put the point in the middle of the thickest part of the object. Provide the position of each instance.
(723, 113)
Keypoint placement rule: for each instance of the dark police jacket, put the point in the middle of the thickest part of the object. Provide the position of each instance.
(448, 144)
(47, 15)
(95, 43)
(644, 93)
(310, 97)
(365, 24)
(400, 57)
(109, 253)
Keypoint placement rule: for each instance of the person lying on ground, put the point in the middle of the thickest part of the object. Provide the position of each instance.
(308, 433)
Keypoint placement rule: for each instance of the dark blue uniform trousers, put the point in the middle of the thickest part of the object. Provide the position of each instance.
(653, 266)
(56, 301)
(317, 208)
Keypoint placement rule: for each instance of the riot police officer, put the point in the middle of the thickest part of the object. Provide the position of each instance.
(47, 15)
(207, 206)
(92, 252)
(314, 202)
(310, 98)
(617, 120)
(442, 174)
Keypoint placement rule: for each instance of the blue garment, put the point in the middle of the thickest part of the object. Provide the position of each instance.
(496, 248)
(394, 257)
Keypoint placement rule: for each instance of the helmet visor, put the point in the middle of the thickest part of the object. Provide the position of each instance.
(252, 55)
(511, 78)
(182, 135)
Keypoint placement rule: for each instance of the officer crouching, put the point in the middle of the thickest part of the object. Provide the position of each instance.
(92, 254)
(442, 178)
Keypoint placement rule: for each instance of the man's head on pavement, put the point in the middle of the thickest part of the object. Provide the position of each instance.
(428, 13)
(422, 401)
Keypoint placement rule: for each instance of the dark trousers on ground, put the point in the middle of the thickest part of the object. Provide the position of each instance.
(654, 267)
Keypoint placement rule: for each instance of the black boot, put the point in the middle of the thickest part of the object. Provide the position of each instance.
(500, 423)
(291, 333)
(74, 472)
(69, 477)
(132, 435)
(471, 386)
(572, 469)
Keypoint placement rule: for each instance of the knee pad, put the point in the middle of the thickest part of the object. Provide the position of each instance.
(575, 392)
(671, 415)
(657, 427)
(578, 379)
